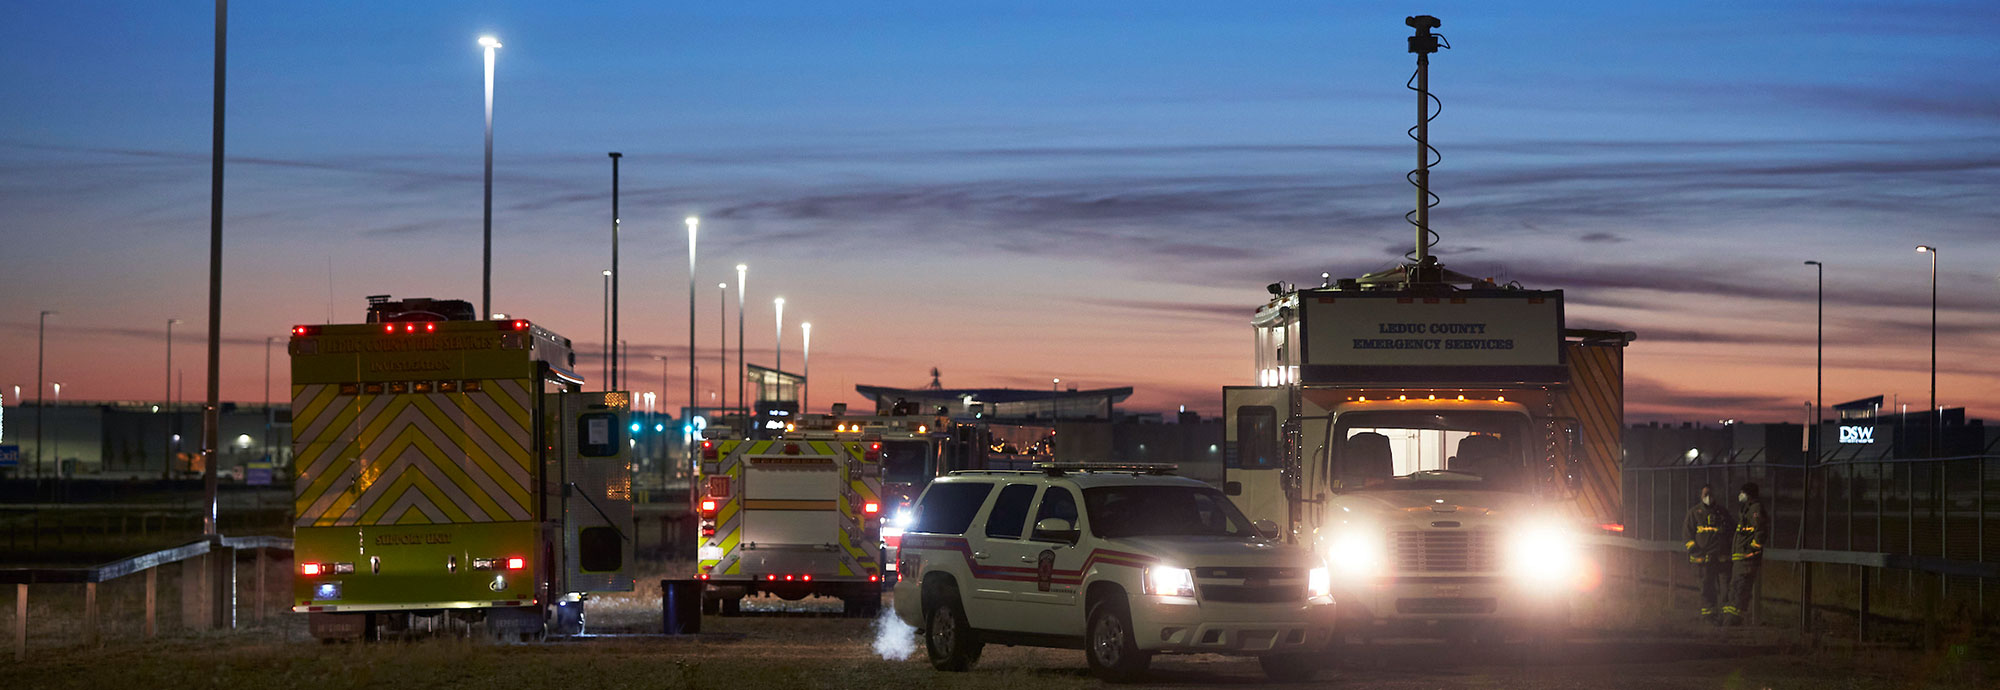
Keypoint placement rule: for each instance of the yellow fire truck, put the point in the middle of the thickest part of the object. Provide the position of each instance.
(453, 468)
(793, 517)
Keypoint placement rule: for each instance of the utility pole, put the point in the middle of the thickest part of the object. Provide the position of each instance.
(221, 578)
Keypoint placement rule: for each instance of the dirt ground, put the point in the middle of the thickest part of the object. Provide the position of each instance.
(804, 645)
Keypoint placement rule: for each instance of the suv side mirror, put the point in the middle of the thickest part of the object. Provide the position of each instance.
(1056, 529)
(1267, 528)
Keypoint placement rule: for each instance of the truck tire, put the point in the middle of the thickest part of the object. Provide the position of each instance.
(1110, 645)
(949, 639)
(1289, 668)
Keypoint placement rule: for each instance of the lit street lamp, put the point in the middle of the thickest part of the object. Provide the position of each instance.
(742, 371)
(41, 337)
(806, 368)
(486, 266)
(693, 224)
(55, 445)
(722, 347)
(1936, 417)
(779, 356)
(167, 459)
(606, 349)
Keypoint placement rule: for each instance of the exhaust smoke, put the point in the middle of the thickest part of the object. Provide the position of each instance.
(894, 639)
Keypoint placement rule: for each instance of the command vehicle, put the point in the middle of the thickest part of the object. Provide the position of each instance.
(1446, 443)
(791, 517)
(1121, 561)
(452, 467)
(1447, 449)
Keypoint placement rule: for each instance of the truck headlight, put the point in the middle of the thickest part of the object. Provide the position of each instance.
(1356, 554)
(1319, 583)
(1544, 551)
(1170, 582)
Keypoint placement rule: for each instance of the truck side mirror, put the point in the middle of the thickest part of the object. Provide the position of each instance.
(1232, 488)
(1267, 528)
(1056, 529)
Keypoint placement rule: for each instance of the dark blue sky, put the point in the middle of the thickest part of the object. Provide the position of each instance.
(1015, 191)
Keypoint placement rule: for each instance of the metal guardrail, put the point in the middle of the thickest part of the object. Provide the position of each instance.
(91, 576)
(1865, 559)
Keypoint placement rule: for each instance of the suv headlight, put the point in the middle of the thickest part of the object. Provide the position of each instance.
(1170, 582)
(1319, 583)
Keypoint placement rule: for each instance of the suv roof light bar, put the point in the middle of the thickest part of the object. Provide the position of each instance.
(1056, 469)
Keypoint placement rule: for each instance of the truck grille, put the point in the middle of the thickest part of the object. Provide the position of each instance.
(1443, 551)
(1443, 605)
(1258, 585)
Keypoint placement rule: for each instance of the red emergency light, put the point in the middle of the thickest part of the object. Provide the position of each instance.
(388, 328)
(305, 330)
(519, 325)
(871, 507)
(311, 568)
(807, 578)
(708, 507)
(874, 578)
(708, 451)
(517, 563)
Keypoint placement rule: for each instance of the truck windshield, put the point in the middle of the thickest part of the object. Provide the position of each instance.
(1398, 449)
(1164, 511)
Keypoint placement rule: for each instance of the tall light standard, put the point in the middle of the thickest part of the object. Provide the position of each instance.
(806, 368)
(779, 355)
(167, 458)
(742, 370)
(41, 336)
(606, 349)
(268, 418)
(1813, 434)
(1936, 418)
(722, 348)
(56, 441)
(491, 44)
(693, 224)
(613, 276)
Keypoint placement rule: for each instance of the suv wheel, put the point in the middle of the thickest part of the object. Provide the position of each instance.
(1109, 643)
(1289, 668)
(948, 637)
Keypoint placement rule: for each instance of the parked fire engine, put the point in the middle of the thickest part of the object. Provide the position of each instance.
(452, 467)
(792, 517)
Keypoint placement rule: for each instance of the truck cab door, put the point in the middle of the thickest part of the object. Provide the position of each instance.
(596, 491)
(1253, 474)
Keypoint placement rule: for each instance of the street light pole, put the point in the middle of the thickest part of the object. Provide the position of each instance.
(693, 224)
(1937, 418)
(779, 355)
(41, 336)
(491, 44)
(805, 369)
(605, 351)
(722, 348)
(614, 277)
(268, 418)
(56, 439)
(742, 365)
(167, 403)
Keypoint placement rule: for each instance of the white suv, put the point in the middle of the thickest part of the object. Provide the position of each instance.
(1121, 561)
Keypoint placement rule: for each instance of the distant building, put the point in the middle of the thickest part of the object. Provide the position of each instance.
(1003, 404)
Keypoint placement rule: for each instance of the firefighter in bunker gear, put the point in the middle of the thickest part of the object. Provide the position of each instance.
(1753, 527)
(1707, 532)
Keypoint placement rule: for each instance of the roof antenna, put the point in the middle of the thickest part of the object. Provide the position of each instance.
(1424, 268)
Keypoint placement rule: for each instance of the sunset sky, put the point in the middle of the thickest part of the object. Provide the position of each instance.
(1013, 191)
